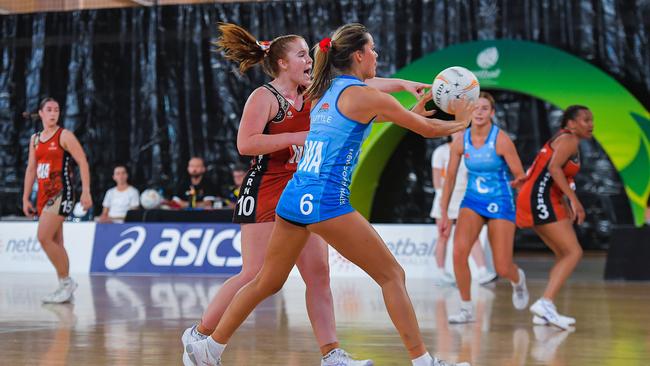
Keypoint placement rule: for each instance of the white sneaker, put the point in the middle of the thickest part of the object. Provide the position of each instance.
(442, 278)
(546, 310)
(200, 355)
(537, 320)
(190, 335)
(464, 316)
(439, 362)
(520, 296)
(62, 294)
(485, 276)
(338, 357)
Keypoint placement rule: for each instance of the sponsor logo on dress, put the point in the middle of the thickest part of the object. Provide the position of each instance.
(312, 157)
(324, 107)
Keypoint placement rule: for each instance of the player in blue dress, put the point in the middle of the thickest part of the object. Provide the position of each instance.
(316, 199)
(491, 160)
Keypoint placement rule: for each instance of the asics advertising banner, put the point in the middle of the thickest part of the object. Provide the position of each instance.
(167, 248)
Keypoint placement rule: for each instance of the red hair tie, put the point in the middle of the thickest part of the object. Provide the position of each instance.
(325, 44)
(264, 45)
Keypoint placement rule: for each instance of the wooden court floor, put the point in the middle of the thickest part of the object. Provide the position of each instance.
(137, 320)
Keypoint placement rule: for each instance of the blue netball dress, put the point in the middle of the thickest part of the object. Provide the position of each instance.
(488, 181)
(320, 188)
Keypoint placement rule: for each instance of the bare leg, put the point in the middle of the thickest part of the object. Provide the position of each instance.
(502, 236)
(468, 229)
(441, 248)
(50, 235)
(356, 240)
(313, 264)
(314, 268)
(561, 238)
(285, 245)
(478, 254)
(254, 240)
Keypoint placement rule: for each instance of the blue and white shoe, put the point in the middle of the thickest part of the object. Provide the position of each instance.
(63, 294)
(545, 310)
(190, 335)
(200, 355)
(520, 296)
(541, 321)
(442, 278)
(465, 315)
(485, 277)
(439, 362)
(338, 357)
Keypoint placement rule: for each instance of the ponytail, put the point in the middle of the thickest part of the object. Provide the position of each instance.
(238, 45)
(322, 72)
(332, 56)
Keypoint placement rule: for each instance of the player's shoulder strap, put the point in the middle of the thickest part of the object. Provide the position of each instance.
(283, 103)
(36, 138)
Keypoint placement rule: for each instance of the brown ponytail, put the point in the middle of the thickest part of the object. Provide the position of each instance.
(240, 46)
(332, 60)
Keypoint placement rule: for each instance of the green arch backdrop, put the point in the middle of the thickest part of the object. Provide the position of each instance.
(622, 125)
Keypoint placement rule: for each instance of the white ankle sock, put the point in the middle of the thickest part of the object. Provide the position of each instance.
(215, 349)
(547, 302)
(521, 279)
(424, 360)
(467, 305)
(196, 330)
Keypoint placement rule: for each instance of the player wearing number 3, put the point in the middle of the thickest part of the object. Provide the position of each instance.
(49, 162)
(273, 129)
(541, 205)
(316, 199)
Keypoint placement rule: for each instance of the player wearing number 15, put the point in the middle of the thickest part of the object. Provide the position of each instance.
(49, 162)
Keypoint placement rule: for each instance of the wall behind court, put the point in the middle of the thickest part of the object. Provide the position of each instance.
(141, 85)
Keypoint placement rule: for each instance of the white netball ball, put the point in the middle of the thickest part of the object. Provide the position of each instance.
(454, 83)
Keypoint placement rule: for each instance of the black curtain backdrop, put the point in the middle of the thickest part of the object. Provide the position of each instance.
(142, 86)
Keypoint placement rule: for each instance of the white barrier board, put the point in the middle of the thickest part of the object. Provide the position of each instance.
(20, 250)
(412, 246)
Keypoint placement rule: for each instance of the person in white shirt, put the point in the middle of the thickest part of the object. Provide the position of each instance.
(119, 199)
(439, 161)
